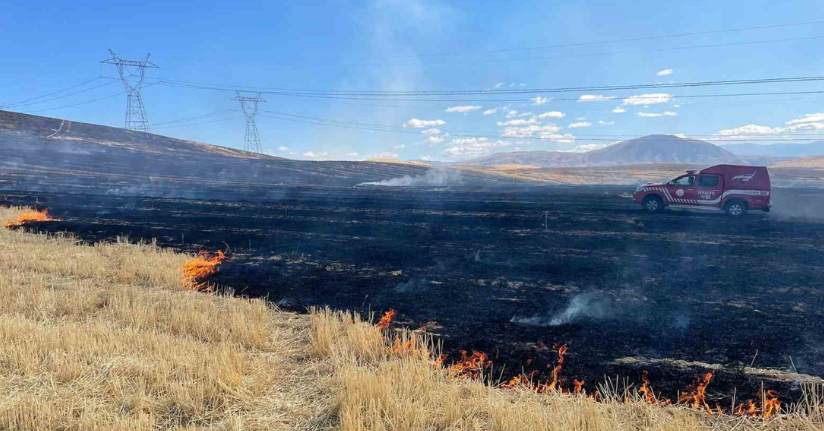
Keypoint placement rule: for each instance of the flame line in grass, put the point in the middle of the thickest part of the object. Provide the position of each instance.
(196, 271)
(28, 217)
(473, 367)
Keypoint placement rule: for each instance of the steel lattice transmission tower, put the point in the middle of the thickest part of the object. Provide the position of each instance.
(249, 106)
(132, 73)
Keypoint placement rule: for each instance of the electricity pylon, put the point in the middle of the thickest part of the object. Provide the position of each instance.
(249, 106)
(131, 74)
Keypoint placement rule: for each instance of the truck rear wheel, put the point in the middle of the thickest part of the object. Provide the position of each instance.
(735, 208)
(653, 204)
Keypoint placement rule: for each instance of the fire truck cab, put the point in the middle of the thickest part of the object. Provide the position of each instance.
(731, 188)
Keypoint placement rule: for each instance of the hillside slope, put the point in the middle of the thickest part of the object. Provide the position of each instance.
(811, 162)
(53, 154)
(777, 150)
(651, 149)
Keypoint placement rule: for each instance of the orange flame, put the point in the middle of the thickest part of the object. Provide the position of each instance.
(649, 395)
(579, 385)
(386, 320)
(771, 404)
(28, 216)
(471, 366)
(197, 270)
(553, 385)
(697, 398)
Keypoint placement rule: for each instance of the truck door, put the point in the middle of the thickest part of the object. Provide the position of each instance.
(683, 190)
(710, 188)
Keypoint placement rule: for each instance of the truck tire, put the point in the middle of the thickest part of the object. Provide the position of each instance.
(653, 204)
(735, 208)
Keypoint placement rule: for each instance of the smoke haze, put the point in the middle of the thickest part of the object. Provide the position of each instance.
(432, 178)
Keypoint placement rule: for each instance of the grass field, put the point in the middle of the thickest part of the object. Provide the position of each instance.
(108, 337)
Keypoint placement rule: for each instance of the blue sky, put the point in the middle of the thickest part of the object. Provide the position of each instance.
(395, 45)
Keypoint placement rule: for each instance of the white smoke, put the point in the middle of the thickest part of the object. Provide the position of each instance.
(432, 178)
(582, 305)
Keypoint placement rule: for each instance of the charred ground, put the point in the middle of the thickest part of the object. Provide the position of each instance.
(676, 294)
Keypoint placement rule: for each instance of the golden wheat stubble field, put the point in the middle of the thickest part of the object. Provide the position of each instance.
(112, 337)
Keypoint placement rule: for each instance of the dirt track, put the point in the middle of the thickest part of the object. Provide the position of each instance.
(674, 293)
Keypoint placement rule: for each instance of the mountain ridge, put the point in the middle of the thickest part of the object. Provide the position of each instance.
(649, 149)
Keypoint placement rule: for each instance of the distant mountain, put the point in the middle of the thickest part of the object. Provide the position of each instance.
(651, 149)
(777, 150)
(811, 162)
(50, 154)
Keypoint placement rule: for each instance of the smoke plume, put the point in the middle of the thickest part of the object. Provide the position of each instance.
(583, 305)
(432, 178)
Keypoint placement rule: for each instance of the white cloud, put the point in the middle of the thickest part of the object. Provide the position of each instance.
(283, 148)
(499, 85)
(552, 114)
(648, 99)
(352, 154)
(399, 147)
(425, 158)
(434, 139)
(540, 100)
(606, 123)
(664, 72)
(525, 114)
(808, 118)
(586, 148)
(492, 111)
(518, 122)
(511, 114)
(421, 124)
(680, 135)
(676, 106)
(595, 98)
(749, 129)
(521, 84)
(548, 131)
(314, 155)
(432, 131)
(472, 147)
(619, 110)
(464, 109)
(384, 155)
(566, 137)
(579, 125)
(657, 114)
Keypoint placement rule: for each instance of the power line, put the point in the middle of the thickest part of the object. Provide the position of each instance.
(232, 117)
(598, 54)
(65, 95)
(9, 105)
(579, 44)
(87, 101)
(180, 120)
(80, 103)
(386, 95)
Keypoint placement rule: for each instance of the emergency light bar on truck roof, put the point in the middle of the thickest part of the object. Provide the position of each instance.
(732, 188)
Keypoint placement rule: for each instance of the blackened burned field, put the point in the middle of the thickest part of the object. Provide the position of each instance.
(510, 272)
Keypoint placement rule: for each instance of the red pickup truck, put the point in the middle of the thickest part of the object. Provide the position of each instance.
(731, 188)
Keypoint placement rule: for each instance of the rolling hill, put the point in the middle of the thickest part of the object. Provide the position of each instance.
(811, 162)
(651, 149)
(52, 154)
(777, 150)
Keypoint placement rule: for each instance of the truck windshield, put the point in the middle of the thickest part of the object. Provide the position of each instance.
(684, 181)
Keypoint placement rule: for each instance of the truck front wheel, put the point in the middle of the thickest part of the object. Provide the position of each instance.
(653, 204)
(735, 208)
